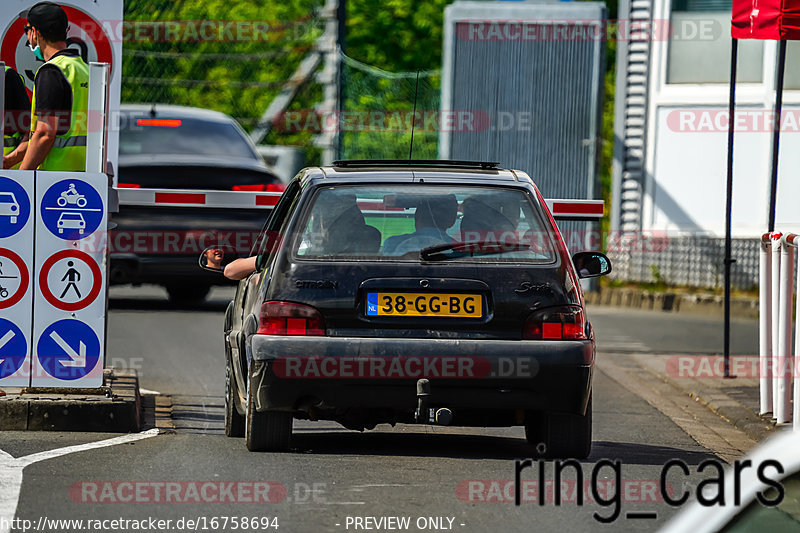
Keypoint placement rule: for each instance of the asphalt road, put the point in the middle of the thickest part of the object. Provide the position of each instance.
(439, 478)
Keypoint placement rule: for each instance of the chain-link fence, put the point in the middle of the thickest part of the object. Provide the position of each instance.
(379, 109)
(185, 53)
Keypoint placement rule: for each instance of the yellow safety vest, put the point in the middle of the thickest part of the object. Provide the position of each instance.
(10, 142)
(68, 153)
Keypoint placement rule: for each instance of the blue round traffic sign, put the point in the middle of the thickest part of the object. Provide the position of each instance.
(15, 207)
(13, 348)
(71, 209)
(68, 349)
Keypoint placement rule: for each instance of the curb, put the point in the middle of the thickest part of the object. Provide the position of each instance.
(703, 304)
(716, 399)
(746, 420)
(113, 408)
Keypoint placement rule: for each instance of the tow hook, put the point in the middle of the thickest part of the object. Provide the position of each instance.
(423, 392)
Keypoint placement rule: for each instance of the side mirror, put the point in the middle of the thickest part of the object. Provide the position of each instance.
(591, 264)
(216, 258)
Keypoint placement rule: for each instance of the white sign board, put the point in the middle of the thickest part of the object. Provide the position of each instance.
(70, 275)
(16, 255)
(96, 31)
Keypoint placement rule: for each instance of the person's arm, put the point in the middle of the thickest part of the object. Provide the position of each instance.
(18, 154)
(18, 109)
(240, 268)
(40, 143)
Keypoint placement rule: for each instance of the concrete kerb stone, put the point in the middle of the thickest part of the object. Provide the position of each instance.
(672, 302)
(713, 395)
(113, 408)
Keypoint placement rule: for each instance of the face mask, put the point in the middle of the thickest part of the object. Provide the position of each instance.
(37, 51)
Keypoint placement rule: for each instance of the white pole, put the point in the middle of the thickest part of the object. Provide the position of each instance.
(782, 373)
(775, 301)
(2, 101)
(765, 324)
(796, 395)
(96, 139)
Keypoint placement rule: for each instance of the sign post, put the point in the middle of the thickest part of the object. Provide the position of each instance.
(70, 272)
(16, 254)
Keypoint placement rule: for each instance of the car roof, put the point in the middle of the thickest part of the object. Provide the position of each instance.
(175, 111)
(468, 173)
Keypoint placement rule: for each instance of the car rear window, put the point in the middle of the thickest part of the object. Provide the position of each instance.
(144, 135)
(439, 222)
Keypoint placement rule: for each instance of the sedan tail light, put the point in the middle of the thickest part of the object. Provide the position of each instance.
(289, 318)
(272, 187)
(557, 323)
(128, 186)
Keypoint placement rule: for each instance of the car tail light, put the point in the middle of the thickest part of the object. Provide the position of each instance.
(272, 187)
(289, 318)
(128, 185)
(558, 323)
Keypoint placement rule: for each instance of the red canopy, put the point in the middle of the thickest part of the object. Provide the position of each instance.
(766, 19)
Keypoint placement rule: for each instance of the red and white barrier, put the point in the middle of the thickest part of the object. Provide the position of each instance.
(561, 209)
(576, 209)
(776, 288)
(198, 198)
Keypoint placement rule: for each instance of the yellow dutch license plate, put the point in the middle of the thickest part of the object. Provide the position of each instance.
(424, 304)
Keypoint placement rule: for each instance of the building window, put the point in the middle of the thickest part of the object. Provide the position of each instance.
(700, 45)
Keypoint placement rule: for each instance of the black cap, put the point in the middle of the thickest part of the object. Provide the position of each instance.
(49, 18)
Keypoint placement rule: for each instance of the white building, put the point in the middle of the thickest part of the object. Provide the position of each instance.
(671, 140)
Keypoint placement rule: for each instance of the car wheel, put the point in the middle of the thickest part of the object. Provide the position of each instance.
(234, 422)
(562, 436)
(269, 431)
(187, 294)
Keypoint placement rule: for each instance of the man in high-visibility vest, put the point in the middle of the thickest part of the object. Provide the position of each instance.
(60, 96)
(17, 124)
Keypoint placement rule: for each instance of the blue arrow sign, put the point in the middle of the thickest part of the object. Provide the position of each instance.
(68, 349)
(72, 209)
(13, 348)
(15, 207)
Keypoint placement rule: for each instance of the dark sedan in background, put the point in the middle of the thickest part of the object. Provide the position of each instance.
(170, 147)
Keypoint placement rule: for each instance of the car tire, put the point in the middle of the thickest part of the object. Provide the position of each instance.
(187, 294)
(268, 431)
(234, 422)
(561, 436)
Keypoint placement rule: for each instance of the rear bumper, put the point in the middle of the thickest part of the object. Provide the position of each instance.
(291, 373)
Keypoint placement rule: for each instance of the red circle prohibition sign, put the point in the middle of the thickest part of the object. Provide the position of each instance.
(23, 274)
(96, 280)
(76, 17)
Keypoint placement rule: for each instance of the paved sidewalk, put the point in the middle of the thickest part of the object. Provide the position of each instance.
(701, 378)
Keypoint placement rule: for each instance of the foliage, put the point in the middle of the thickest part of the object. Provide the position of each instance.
(238, 75)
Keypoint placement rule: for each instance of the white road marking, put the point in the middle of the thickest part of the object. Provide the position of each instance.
(76, 359)
(149, 392)
(11, 470)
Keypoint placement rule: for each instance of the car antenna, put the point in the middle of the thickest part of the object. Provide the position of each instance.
(413, 118)
(153, 111)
